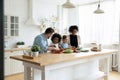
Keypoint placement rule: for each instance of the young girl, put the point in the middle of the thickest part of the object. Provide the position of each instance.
(56, 38)
(64, 44)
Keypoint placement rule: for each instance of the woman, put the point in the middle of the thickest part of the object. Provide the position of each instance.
(73, 38)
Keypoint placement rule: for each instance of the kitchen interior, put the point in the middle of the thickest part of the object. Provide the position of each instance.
(98, 22)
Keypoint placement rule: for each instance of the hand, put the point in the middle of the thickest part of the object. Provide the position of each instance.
(52, 46)
(56, 49)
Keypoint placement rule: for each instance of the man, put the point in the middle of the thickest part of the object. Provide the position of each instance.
(41, 40)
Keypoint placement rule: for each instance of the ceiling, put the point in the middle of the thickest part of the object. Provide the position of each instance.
(77, 2)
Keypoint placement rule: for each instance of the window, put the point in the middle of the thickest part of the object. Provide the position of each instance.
(64, 21)
(100, 28)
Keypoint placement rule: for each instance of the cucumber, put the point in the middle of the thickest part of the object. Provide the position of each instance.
(68, 51)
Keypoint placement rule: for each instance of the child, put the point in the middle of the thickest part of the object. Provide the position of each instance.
(56, 38)
(64, 44)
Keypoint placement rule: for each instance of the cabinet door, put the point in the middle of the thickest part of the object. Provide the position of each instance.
(6, 26)
(13, 66)
(14, 26)
(7, 63)
(18, 65)
(6, 66)
(11, 26)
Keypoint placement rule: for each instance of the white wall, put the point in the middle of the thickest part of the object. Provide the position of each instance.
(118, 9)
(20, 8)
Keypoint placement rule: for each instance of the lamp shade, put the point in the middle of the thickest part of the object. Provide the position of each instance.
(68, 4)
(98, 11)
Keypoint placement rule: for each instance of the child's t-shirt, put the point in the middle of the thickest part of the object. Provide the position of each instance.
(64, 45)
(56, 45)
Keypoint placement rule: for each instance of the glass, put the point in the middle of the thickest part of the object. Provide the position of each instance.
(26, 52)
(12, 19)
(16, 32)
(12, 26)
(16, 26)
(16, 19)
(12, 32)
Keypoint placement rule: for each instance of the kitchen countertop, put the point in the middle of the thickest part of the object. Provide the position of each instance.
(16, 49)
(49, 58)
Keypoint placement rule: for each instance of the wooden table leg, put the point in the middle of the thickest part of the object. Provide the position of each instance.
(45, 74)
(106, 68)
(41, 74)
(36, 74)
(27, 73)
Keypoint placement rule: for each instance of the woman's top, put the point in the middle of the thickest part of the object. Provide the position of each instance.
(74, 40)
(64, 45)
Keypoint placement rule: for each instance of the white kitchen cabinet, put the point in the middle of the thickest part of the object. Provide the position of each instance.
(12, 66)
(11, 26)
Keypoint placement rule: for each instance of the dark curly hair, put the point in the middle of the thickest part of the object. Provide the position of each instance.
(56, 35)
(73, 27)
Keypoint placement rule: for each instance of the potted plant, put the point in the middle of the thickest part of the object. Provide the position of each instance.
(20, 44)
(35, 50)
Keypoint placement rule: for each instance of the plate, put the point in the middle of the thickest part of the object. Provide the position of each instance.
(95, 50)
(84, 50)
(67, 52)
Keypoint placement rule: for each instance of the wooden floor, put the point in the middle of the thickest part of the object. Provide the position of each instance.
(113, 76)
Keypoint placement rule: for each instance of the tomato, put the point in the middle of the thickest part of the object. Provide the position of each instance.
(74, 49)
(61, 49)
(58, 51)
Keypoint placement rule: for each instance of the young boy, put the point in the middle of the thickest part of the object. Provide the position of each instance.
(64, 44)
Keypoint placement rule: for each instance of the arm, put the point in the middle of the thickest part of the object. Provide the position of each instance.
(41, 42)
(79, 40)
(51, 48)
(51, 45)
(69, 41)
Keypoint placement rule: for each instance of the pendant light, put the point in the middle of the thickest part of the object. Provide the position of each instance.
(68, 4)
(98, 11)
